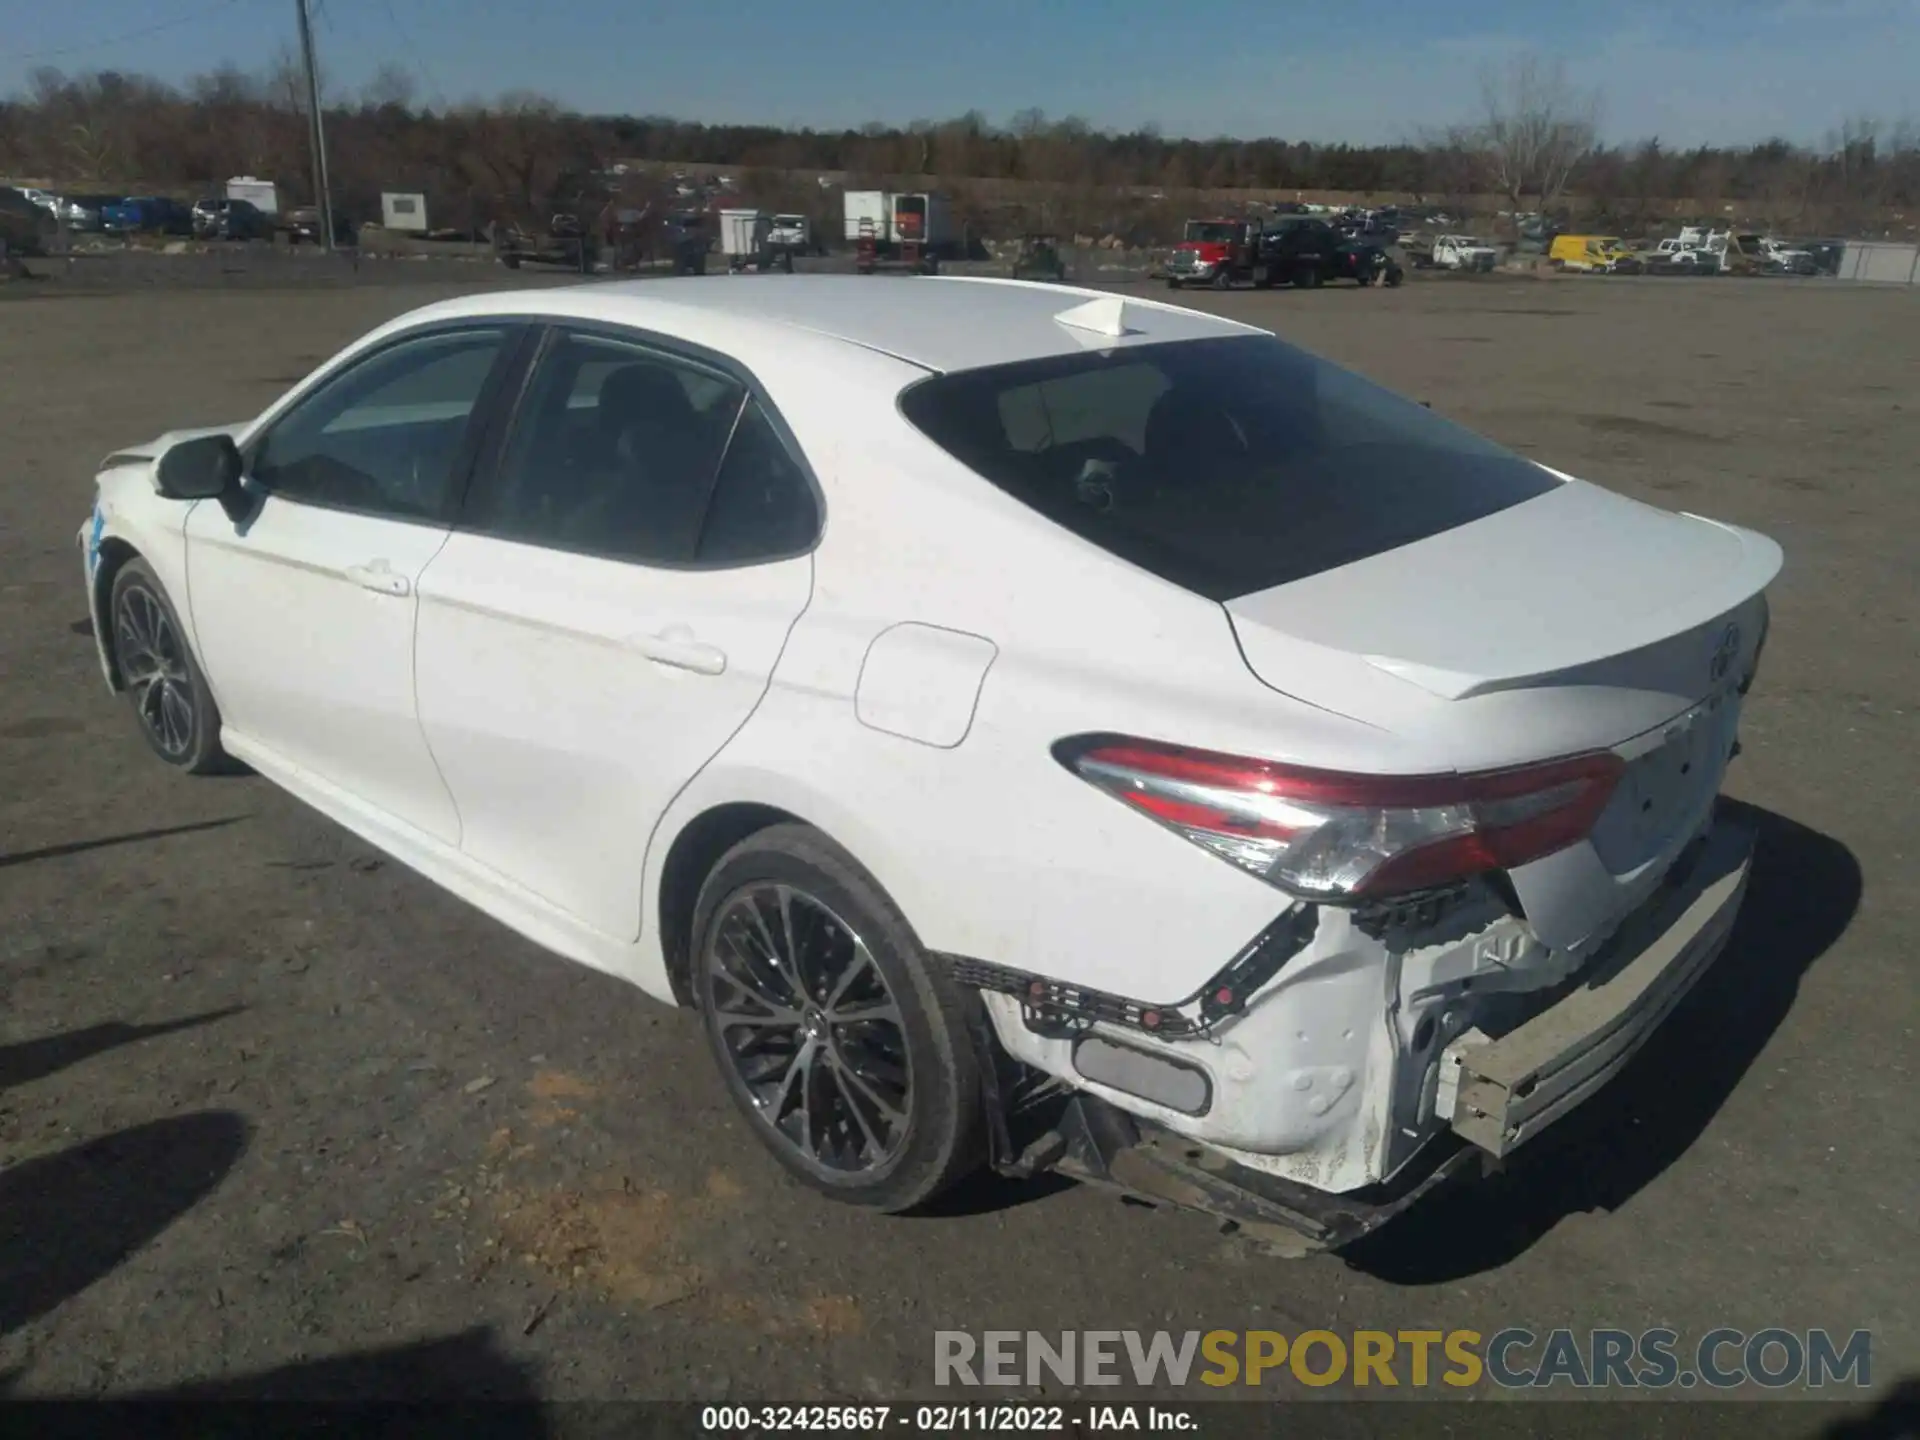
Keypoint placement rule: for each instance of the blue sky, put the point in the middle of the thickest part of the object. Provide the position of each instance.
(1690, 71)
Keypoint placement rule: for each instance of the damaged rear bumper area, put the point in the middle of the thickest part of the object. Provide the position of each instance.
(1502, 1092)
(1421, 1112)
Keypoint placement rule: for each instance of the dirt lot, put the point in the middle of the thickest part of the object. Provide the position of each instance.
(271, 1107)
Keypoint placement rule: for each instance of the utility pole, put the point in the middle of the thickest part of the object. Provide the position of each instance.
(317, 133)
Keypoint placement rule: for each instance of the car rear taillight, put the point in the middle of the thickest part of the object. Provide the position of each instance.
(1326, 835)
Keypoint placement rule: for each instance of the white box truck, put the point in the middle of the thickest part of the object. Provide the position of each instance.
(917, 227)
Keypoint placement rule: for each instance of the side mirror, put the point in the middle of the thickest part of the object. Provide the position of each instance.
(208, 468)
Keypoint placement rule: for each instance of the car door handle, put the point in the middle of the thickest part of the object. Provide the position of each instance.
(378, 577)
(676, 647)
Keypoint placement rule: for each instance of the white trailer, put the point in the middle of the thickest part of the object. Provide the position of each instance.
(869, 215)
(263, 195)
(913, 227)
(744, 240)
(927, 219)
(400, 210)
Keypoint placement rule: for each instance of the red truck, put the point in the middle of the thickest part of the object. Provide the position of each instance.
(1219, 253)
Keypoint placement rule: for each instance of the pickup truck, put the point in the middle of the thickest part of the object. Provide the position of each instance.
(790, 234)
(1453, 252)
(1680, 257)
(1771, 257)
(152, 214)
(1310, 252)
(26, 227)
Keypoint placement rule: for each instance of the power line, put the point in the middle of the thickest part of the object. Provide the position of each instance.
(419, 60)
(102, 44)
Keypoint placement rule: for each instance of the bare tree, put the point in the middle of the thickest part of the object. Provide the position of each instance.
(391, 88)
(93, 153)
(1535, 129)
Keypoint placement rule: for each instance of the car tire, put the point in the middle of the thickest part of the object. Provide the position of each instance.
(1173, 284)
(172, 703)
(879, 1041)
(1307, 277)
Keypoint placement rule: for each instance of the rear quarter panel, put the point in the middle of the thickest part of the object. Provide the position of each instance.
(990, 847)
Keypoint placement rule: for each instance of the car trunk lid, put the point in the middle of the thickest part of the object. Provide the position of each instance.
(1574, 621)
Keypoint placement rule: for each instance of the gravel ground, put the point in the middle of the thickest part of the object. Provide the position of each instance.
(276, 1115)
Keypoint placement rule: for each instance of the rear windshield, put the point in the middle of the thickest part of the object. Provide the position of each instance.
(1226, 466)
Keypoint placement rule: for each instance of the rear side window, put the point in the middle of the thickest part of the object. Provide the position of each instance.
(763, 507)
(1225, 466)
(613, 453)
(629, 452)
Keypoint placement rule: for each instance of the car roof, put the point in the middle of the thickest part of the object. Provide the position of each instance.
(941, 323)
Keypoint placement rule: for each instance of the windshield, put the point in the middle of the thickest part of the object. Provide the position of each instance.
(1212, 232)
(1226, 466)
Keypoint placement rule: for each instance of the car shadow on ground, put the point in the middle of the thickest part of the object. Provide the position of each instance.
(1800, 899)
(1897, 1417)
(29, 1060)
(69, 1218)
(462, 1386)
(985, 1191)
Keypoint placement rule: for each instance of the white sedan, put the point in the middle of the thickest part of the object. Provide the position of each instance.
(1030, 726)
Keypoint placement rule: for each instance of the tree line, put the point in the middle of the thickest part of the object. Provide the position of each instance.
(1532, 144)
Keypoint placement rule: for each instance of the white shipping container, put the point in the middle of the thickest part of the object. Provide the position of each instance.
(263, 195)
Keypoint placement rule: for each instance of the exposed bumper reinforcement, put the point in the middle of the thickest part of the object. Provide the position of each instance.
(1510, 1089)
(1097, 1142)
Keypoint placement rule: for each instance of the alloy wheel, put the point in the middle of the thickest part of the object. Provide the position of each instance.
(811, 1030)
(154, 665)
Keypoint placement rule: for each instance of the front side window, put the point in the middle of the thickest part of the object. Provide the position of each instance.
(383, 436)
(614, 452)
(1226, 466)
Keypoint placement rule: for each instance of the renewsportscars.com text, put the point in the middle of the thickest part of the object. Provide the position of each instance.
(1513, 1358)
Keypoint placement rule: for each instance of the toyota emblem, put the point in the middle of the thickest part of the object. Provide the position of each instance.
(1724, 654)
